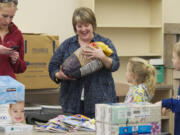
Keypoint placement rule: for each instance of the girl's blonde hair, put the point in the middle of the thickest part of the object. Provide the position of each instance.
(176, 49)
(144, 72)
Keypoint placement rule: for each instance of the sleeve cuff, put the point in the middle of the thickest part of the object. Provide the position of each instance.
(57, 80)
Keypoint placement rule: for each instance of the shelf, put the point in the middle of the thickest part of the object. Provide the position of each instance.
(165, 117)
(136, 41)
(134, 26)
(163, 87)
(140, 55)
(127, 26)
(124, 12)
(122, 88)
(176, 75)
(127, 12)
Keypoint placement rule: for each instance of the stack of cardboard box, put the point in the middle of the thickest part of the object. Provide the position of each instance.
(12, 117)
(123, 118)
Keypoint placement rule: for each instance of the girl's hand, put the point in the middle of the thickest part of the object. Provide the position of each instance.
(14, 55)
(5, 50)
(164, 111)
(62, 76)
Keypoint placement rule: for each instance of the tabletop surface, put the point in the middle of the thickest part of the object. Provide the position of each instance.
(48, 133)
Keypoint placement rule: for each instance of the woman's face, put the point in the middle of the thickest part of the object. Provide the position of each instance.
(84, 31)
(176, 61)
(6, 16)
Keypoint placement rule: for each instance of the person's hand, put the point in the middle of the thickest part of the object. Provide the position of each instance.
(164, 111)
(14, 55)
(5, 50)
(62, 76)
(92, 52)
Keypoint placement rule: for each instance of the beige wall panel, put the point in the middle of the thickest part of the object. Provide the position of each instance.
(46, 16)
(171, 11)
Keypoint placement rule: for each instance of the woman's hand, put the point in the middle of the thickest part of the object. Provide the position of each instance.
(62, 76)
(97, 53)
(92, 52)
(5, 50)
(14, 55)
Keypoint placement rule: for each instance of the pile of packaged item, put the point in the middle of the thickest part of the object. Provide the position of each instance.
(133, 118)
(64, 124)
(12, 117)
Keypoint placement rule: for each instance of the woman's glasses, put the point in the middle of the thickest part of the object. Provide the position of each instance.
(6, 1)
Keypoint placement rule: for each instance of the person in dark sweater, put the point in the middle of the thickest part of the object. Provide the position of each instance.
(174, 103)
(79, 96)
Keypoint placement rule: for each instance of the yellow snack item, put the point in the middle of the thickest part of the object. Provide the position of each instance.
(104, 47)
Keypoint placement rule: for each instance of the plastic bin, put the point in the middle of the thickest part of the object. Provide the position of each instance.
(159, 73)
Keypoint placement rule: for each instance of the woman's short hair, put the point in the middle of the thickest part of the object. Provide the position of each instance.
(83, 15)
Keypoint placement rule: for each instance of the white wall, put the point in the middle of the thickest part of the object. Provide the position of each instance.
(54, 16)
(46, 16)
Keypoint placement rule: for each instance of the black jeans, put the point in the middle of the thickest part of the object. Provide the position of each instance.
(90, 115)
(82, 107)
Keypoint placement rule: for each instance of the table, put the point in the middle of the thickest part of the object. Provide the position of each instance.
(48, 133)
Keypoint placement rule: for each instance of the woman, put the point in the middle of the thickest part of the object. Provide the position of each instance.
(81, 95)
(11, 41)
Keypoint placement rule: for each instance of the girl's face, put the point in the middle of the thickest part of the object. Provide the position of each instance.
(6, 16)
(130, 77)
(17, 112)
(176, 61)
(84, 31)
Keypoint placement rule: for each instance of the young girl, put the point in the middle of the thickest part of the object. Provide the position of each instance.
(16, 111)
(174, 104)
(143, 78)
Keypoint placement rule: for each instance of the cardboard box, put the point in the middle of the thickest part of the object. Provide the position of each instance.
(39, 49)
(133, 118)
(132, 113)
(11, 101)
(10, 90)
(153, 128)
(19, 128)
